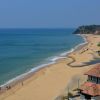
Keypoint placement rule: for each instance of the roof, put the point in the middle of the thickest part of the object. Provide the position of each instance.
(94, 71)
(90, 88)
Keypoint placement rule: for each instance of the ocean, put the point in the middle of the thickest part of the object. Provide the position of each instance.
(22, 50)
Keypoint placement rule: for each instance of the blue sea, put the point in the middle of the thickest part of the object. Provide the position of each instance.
(22, 50)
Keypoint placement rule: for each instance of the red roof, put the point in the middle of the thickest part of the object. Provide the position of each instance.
(94, 71)
(90, 88)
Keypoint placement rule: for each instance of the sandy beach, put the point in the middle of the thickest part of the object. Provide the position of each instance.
(53, 80)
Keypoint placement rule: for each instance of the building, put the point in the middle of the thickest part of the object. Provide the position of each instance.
(90, 90)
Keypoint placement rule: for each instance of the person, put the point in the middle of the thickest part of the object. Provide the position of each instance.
(22, 83)
(8, 87)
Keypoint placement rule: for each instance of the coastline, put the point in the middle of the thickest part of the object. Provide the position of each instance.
(47, 67)
(31, 72)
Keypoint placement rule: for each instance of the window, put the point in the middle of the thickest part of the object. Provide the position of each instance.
(94, 79)
(99, 80)
(89, 78)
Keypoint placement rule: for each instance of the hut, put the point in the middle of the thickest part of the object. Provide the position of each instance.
(91, 88)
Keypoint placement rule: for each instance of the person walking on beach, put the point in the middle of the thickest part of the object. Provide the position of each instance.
(22, 84)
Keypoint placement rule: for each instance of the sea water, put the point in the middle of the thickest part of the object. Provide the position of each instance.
(22, 50)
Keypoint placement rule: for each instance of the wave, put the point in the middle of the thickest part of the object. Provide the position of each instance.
(51, 60)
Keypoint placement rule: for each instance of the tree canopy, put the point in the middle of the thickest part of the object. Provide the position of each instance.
(88, 29)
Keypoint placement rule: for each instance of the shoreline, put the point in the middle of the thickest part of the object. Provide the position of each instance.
(20, 78)
(23, 77)
(52, 80)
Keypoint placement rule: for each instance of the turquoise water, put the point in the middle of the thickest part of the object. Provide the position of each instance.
(24, 49)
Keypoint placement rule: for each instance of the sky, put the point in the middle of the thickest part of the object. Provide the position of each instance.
(48, 13)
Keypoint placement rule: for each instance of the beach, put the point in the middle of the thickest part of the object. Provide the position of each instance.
(53, 80)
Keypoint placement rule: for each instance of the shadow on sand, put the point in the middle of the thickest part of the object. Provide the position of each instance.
(92, 62)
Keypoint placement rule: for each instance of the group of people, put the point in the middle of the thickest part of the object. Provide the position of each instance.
(7, 87)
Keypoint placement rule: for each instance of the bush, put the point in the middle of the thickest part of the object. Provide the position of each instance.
(70, 94)
(98, 44)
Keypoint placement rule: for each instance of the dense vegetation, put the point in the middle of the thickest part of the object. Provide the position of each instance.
(88, 29)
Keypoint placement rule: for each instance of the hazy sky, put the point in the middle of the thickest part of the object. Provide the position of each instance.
(48, 13)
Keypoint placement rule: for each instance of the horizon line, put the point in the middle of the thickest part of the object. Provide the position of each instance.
(38, 28)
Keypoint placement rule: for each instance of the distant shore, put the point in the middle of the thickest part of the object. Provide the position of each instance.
(51, 79)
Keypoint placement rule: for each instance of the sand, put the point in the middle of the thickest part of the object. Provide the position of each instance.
(53, 80)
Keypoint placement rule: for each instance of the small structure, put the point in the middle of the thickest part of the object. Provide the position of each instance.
(91, 89)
